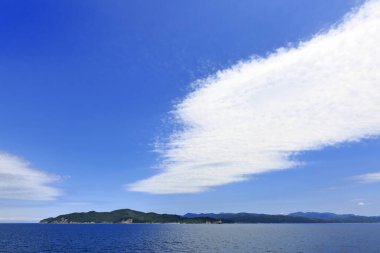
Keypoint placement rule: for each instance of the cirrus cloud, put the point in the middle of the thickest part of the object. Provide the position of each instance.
(18, 180)
(368, 178)
(253, 117)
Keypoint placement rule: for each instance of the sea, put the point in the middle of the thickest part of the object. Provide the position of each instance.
(294, 238)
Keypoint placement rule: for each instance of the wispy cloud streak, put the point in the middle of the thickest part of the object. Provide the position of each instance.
(368, 178)
(253, 117)
(18, 180)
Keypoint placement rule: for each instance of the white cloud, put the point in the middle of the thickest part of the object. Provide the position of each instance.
(253, 117)
(368, 178)
(18, 180)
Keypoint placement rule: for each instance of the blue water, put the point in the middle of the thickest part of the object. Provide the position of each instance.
(17, 238)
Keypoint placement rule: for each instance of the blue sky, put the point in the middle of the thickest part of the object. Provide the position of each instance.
(89, 90)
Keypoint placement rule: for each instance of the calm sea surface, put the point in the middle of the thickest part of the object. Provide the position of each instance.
(363, 238)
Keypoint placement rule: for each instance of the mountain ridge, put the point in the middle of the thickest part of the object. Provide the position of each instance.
(124, 216)
(132, 216)
(297, 217)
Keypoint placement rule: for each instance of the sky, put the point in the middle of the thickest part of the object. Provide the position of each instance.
(189, 106)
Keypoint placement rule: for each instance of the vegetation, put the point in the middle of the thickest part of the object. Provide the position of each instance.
(131, 216)
(125, 216)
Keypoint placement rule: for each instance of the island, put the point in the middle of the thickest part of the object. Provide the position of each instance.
(128, 216)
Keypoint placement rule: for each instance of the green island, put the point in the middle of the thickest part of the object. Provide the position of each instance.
(128, 216)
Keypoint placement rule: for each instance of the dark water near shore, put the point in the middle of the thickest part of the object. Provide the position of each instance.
(17, 238)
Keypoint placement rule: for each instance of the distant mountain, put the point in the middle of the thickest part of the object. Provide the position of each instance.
(332, 217)
(299, 217)
(124, 216)
(316, 215)
(132, 216)
(252, 218)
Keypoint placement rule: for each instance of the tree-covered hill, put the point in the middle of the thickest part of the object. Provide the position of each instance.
(132, 216)
(124, 216)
